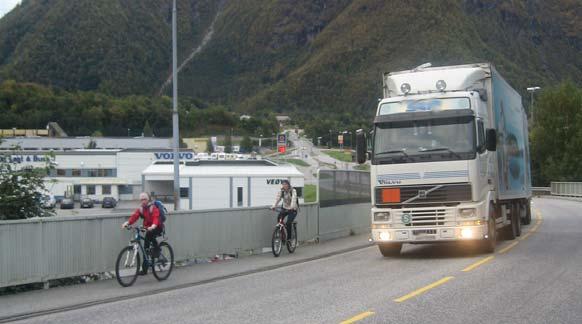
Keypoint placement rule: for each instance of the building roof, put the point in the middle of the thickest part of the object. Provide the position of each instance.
(70, 143)
(207, 169)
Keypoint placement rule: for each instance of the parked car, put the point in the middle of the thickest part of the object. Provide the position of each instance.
(87, 203)
(109, 202)
(67, 203)
(48, 201)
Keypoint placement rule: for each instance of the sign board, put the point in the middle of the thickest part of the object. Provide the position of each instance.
(281, 148)
(282, 139)
(340, 139)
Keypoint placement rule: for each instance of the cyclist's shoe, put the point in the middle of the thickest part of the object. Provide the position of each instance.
(144, 270)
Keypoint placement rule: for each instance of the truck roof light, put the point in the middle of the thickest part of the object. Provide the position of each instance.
(441, 85)
(405, 88)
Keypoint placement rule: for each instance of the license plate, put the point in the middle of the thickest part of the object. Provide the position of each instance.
(424, 232)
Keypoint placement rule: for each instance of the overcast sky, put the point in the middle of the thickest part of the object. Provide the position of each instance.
(7, 5)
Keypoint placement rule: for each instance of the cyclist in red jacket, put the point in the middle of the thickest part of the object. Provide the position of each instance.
(151, 221)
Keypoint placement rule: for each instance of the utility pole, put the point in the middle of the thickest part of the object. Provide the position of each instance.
(531, 110)
(175, 125)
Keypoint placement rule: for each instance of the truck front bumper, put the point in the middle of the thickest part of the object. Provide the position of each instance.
(426, 235)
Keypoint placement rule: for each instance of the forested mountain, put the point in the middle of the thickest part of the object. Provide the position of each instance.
(295, 56)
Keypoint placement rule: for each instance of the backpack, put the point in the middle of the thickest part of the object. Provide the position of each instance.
(296, 197)
(161, 208)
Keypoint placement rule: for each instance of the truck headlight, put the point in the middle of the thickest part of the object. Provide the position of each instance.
(384, 236)
(466, 233)
(467, 212)
(382, 217)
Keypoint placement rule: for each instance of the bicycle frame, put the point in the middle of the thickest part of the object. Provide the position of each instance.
(137, 242)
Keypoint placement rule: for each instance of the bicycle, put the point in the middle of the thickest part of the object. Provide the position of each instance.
(280, 235)
(129, 259)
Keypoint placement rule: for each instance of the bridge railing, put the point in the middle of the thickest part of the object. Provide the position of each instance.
(42, 249)
(572, 189)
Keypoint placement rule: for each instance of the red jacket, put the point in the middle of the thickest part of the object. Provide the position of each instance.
(151, 215)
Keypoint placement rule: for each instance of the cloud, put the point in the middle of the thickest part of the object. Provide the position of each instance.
(7, 5)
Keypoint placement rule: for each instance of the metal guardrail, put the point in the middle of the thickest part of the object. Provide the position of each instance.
(541, 191)
(42, 249)
(571, 189)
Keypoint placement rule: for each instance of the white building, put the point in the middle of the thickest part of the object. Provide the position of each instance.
(94, 173)
(222, 184)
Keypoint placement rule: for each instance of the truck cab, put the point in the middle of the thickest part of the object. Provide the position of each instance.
(434, 170)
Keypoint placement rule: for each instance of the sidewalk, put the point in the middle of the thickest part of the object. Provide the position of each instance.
(182, 277)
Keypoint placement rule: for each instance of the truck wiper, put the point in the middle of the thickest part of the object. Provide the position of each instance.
(393, 151)
(442, 149)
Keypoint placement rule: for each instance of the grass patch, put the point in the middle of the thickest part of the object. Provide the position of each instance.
(362, 167)
(296, 162)
(310, 193)
(344, 156)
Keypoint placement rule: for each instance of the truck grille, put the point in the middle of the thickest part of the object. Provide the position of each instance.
(447, 194)
(426, 217)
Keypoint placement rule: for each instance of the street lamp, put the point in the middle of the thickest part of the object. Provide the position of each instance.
(531, 111)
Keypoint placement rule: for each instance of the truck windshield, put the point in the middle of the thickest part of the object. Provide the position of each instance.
(443, 139)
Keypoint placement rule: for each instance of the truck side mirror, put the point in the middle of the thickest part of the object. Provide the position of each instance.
(361, 152)
(491, 140)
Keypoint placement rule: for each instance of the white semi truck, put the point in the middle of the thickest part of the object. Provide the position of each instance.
(449, 158)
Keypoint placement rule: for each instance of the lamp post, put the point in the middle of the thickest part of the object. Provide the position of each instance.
(531, 110)
(175, 125)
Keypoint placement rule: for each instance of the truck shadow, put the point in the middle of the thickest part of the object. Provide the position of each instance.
(441, 251)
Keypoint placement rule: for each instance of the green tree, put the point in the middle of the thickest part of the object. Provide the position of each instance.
(209, 147)
(228, 143)
(21, 190)
(147, 130)
(246, 145)
(556, 136)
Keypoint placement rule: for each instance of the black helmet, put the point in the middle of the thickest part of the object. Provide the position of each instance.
(285, 181)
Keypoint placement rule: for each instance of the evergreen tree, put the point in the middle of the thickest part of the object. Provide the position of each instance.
(147, 130)
(246, 145)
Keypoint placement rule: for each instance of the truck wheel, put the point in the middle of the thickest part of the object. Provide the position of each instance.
(527, 219)
(390, 249)
(488, 245)
(511, 230)
(518, 210)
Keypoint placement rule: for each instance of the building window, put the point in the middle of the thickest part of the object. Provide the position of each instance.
(76, 173)
(61, 172)
(77, 189)
(239, 196)
(92, 173)
(106, 189)
(184, 192)
(90, 189)
(125, 190)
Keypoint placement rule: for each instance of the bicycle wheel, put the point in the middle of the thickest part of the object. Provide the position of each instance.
(292, 240)
(127, 266)
(276, 242)
(164, 264)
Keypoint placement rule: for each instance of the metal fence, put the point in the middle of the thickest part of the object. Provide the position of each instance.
(573, 189)
(342, 187)
(41, 249)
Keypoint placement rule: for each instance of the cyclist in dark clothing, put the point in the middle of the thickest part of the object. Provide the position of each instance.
(289, 197)
(151, 221)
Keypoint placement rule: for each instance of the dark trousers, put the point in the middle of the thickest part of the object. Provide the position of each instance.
(291, 214)
(150, 238)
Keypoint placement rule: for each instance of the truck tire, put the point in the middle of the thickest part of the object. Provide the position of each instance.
(527, 219)
(390, 249)
(488, 245)
(511, 231)
(518, 209)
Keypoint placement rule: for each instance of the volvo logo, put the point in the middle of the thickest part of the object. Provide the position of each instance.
(422, 194)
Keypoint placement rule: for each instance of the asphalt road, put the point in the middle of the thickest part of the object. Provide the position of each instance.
(534, 279)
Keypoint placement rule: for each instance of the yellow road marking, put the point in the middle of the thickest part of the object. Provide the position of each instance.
(509, 247)
(358, 317)
(423, 289)
(478, 263)
(526, 235)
